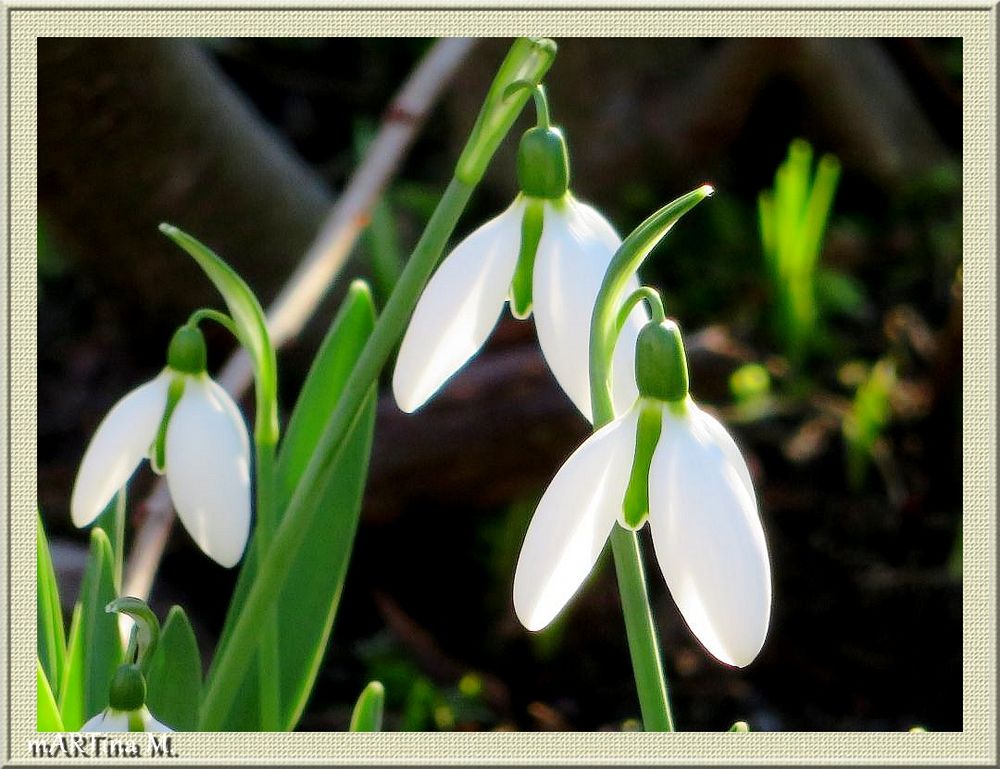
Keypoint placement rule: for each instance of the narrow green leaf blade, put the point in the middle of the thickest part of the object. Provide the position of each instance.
(325, 382)
(47, 717)
(95, 649)
(321, 391)
(112, 520)
(173, 683)
(311, 596)
(250, 322)
(51, 632)
(309, 600)
(71, 686)
(367, 715)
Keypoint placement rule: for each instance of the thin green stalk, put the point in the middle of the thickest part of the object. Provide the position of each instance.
(268, 657)
(647, 664)
(650, 680)
(223, 686)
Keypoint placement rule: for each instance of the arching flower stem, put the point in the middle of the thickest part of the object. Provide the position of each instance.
(652, 299)
(528, 59)
(609, 312)
(221, 318)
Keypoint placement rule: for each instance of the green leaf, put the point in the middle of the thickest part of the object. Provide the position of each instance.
(95, 649)
(112, 520)
(310, 597)
(367, 715)
(173, 683)
(250, 324)
(51, 632)
(321, 391)
(47, 717)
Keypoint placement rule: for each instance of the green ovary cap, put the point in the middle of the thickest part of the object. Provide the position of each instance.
(128, 688)
(543, 163)
(660, 362)
(187, 353)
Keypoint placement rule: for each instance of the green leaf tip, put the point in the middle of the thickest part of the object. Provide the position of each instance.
(367, 715)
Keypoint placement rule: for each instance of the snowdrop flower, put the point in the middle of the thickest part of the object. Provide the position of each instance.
(189, 428)
(546, 255)
(126, 711)
(667, 461)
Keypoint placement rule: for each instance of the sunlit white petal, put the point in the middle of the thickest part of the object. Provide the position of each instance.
(709, 541)
(121, 442)
(572, 522)
(458, 309)
(573, 255)
(108, 720)
(208, 469)
(725, 441)
(150, 724)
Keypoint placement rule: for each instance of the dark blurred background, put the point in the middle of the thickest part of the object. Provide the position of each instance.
(855, 446)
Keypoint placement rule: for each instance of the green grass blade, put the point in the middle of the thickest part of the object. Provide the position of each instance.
(308, 602)
(47, 718)
(312, 594)
(819, 207)
(321, 390)
(95, 649)
(71, 685)
(367, 715)
(768, 231)
(173, 683)
(112, 520)
(51, 631)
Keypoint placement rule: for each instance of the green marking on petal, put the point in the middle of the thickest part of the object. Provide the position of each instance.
(157, 454)
(531, 235)
(135, 722)
(635, 506)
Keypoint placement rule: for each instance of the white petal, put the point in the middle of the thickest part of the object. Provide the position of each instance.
(458, 308)
(573, 255)
(572, 522)
(121, 442)
(208, 469)
(709, 541)
(150, 724)
(725, 441)
(107, 720)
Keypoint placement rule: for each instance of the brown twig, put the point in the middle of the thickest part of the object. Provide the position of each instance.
(316, 272)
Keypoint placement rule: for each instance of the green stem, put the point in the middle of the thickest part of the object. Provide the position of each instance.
(650, 681)
(652, 298)
(221, 318)
(268, 657)
(647, 664)
(225, 682)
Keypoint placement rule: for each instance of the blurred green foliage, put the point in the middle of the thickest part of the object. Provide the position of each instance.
(867, 418)
(793, 217)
